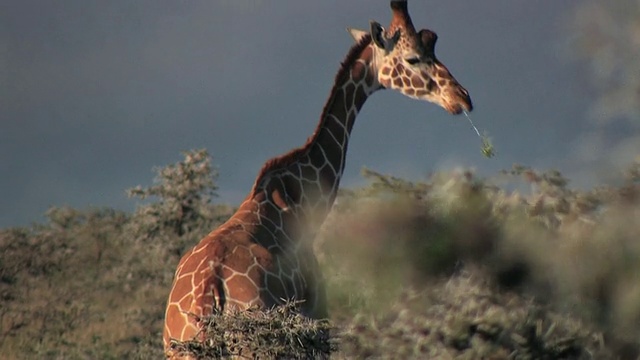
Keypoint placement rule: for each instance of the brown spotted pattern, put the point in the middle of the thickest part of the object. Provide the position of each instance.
(263, 256)
(413, 69)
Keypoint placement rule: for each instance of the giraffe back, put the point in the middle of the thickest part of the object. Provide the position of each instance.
(249, 261)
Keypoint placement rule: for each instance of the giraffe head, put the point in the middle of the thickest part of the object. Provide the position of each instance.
(405, 60)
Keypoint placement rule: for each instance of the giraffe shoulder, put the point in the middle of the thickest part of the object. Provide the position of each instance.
(276, 166)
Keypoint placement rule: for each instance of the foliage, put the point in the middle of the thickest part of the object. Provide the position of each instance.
(255, 333)
(521, 266)
(56, 282)
(465, 318)
(184, 192)
(93, 284)
(181, 216)
(575, 254)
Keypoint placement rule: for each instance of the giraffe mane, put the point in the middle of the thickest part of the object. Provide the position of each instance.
(293, 155)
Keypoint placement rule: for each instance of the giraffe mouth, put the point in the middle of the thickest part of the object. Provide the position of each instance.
(456, 109)
(461, 102)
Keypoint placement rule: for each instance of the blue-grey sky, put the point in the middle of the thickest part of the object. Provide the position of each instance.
(94, 94)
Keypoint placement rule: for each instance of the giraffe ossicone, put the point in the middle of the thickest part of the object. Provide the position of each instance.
(263, 255)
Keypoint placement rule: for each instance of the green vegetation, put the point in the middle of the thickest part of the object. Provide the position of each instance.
(92, 284)
(450, 267)
(487, 146)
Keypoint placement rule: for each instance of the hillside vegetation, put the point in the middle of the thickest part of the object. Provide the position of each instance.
(519, 266)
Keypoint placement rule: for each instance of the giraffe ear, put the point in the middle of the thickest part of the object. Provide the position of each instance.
(357, 34)
(377, 36)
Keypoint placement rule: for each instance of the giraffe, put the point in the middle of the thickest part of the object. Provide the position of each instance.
(263, 254)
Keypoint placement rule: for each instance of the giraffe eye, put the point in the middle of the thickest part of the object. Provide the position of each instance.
(413, 60)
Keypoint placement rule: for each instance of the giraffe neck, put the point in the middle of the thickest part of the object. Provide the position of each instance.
(326, 149)
(307, 178)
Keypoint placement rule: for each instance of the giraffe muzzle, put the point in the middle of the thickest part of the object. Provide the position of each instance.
(461, 101)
